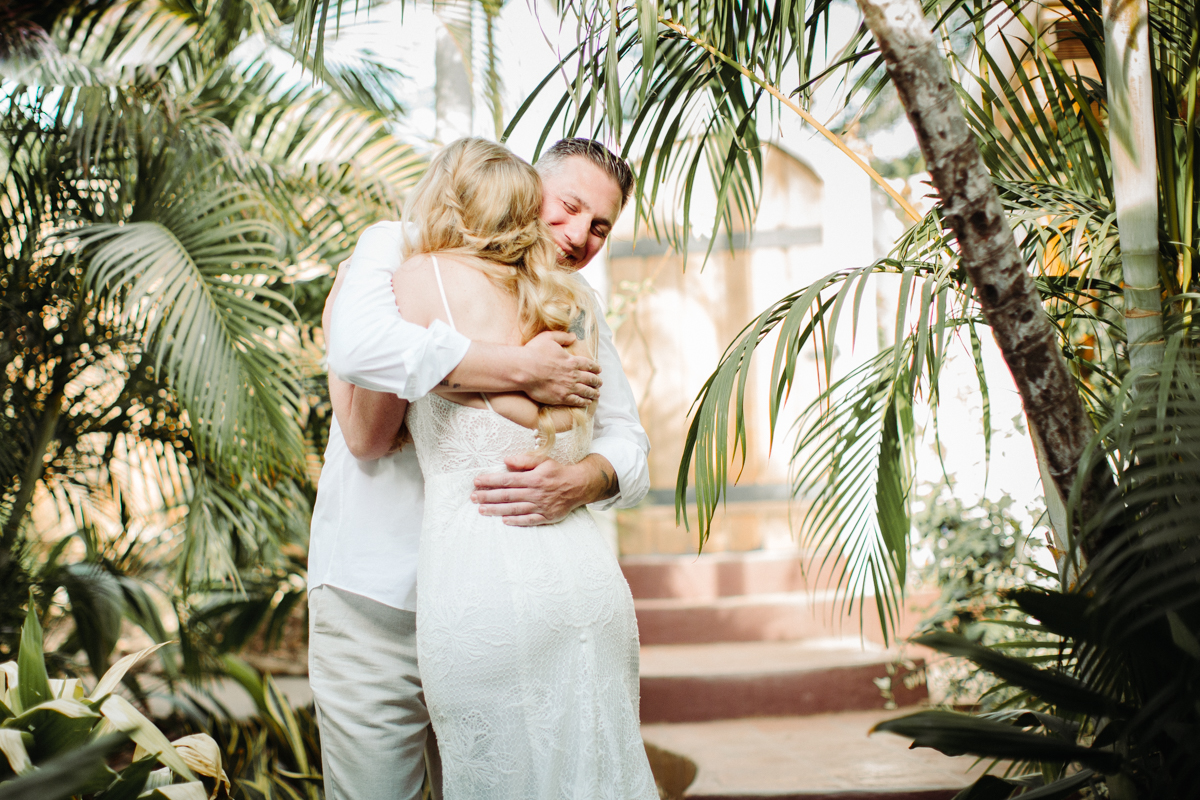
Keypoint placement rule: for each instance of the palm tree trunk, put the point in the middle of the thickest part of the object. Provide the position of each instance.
(1135, 176)
(971, 207)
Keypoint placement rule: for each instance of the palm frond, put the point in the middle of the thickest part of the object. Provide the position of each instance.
(189, 282)
(853, 459)
(121, 43)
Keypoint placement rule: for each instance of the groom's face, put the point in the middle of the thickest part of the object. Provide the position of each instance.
(580, 204)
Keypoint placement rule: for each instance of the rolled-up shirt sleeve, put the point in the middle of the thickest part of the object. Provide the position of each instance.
(618, 434)
(369, 343)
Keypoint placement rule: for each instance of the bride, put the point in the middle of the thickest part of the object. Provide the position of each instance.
(526, 636)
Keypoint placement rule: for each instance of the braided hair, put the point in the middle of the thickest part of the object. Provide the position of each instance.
(479, 199)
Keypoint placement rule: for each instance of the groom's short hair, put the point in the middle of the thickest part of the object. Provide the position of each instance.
(613, 165)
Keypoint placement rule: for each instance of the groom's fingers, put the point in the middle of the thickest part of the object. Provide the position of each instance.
(526, 521)
(508, 509)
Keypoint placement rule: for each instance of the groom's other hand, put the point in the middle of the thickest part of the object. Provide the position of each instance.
(537, 490)
(558, 377)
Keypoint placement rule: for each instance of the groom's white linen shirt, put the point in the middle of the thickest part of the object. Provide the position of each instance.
(367, 519)
(366, 524)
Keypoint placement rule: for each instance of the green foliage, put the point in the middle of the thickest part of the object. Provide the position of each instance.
(58, 740)
(977, 552)
(164, 208)
(276, 754)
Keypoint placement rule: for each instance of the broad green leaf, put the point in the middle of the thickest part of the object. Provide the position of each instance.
(14, 745)
(1062, 788)
(647, 11)
(71, 773)
(126, 718)
(131, 781)
(69, 688)
(112, 678)
(281, 712)
(193, 790)
(1183, 638)
(1064, 614)
(57, 726)
(158, 778)
(1051, 686)
(33, 684)
(895, 481)
(249, 678)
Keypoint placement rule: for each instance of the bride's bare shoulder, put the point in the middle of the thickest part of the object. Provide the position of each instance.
(417, 294)
(420, 268)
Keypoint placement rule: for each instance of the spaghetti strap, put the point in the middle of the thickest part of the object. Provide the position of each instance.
(437, 273)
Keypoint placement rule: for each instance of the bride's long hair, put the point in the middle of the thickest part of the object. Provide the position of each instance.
(479, 199)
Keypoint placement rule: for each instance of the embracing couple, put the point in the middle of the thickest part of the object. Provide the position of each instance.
(455, 579)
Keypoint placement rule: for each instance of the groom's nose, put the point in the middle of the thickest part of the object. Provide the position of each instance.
(576, 233)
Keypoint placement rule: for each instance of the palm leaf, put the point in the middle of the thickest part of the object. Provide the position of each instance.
(955, 734)
(186, 283)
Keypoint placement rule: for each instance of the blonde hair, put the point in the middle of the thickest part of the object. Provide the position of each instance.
(479, 199)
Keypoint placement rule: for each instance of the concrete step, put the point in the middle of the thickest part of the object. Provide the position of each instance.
(819, 757)
(712, 575)
(767, 617)
(728, 680)
(741, 618)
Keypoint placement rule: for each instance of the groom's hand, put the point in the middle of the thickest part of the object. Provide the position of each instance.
(555, 375)
(538, 490)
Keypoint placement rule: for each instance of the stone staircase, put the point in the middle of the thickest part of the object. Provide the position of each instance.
(750, 670)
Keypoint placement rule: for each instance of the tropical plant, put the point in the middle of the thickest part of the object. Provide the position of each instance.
(1114, 699)
(165, 203)
(275, 754)
(55, 737)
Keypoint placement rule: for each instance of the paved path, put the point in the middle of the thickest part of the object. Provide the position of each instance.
(819, 756)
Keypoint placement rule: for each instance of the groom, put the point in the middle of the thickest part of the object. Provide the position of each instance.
(367, 519)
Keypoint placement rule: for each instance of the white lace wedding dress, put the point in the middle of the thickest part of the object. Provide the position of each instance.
(526, 637)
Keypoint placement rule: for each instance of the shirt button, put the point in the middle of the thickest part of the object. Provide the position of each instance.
(583, 637)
